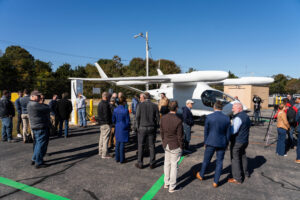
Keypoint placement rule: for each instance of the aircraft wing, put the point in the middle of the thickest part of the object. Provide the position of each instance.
(150, 79)
(244, 81)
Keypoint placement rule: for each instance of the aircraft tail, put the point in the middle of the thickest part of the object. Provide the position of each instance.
(103, 75)
(159, 72)
(100, 70)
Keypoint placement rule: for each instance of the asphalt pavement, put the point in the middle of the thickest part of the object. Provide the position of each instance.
(77, 172)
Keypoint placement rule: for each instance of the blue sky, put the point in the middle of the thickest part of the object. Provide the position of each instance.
(248, 37)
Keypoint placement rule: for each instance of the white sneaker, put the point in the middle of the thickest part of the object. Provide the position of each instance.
(19, 135)
(285, 155)
(166, 186)
(175, 190)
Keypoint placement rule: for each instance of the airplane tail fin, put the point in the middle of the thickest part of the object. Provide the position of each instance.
(103, 75)
(100, 70)
(159, 72)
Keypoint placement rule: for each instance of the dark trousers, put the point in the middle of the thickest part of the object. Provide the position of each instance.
(143, 132)
(280, 148)
(208, 154)
(298, 147)
(19, 122)
(257, 116)
(239, 162)
(119, 151)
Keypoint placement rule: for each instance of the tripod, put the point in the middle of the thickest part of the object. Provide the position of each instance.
(269, 129)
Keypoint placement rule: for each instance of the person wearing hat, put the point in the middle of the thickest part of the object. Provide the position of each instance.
(188, 122)
(39, 118)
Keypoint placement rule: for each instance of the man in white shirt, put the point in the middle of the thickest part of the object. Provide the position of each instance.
(81, 106)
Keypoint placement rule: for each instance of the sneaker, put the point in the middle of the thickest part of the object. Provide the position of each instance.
(175, 190)
(166, 186)
(297, 161)
(19, 135)
(285, 155)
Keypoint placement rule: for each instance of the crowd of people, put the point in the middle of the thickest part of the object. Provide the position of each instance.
(40, 120)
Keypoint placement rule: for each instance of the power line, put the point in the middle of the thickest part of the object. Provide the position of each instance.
(51, 51)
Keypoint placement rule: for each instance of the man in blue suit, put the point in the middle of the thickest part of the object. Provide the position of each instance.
(216, 137)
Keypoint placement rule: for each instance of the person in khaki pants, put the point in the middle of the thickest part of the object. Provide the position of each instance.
(105, 121)
(172, 136)
(25, 118)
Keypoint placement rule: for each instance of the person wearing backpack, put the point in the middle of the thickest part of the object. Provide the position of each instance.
(291, 113)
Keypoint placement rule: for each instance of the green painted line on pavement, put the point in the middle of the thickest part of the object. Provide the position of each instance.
(157, 185)
(31, 190)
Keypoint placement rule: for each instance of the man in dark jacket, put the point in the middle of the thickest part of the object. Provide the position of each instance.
(239, 142)
(188, 122)
(53, 114)
(105, 121)
(25, 119)
(63, 109)
(39, 117)
(147, 120)
(7, 112)
(216, 137)
(171, 134)
(19, 110)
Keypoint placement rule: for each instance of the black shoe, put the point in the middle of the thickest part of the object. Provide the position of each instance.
(11, 141)
(3, 140)
(41, 166)
(152, 166)
(32, 162)
(137, 165)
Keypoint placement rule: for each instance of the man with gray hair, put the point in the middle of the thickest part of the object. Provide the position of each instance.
(239, 141)
(105, 121)
(147, 120)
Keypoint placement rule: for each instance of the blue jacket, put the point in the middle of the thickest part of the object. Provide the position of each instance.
(18, 105)
(134, 105)
(187, 116)
(217, 130)
(122, 123)
(298, 120)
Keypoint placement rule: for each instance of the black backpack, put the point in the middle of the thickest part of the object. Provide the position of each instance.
(291, 116)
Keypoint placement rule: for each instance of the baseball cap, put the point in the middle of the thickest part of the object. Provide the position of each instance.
(189, 101)
(35, 93)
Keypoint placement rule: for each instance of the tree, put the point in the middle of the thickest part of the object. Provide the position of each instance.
(231, 75)
(8, 75)
(44, 78)
(62, 83)
(24, 64)
(191, 69)
(293, 86)
(278, 86)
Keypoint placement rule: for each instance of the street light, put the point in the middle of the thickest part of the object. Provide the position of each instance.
(147, 54)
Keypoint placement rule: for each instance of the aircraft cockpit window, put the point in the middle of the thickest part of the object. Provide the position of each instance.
(209, 98)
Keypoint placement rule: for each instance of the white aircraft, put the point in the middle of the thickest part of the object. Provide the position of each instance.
(180, 87)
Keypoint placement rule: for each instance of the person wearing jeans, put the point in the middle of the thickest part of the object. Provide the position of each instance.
(63, 111)
(7, 112)
(39, 117)
(172, 138)
(80, 105)
(282, 128)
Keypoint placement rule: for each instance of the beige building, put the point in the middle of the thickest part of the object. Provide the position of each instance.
(245, 94)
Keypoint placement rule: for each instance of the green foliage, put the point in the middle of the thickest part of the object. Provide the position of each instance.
(8, 74)
(231, 75)
(278, 86)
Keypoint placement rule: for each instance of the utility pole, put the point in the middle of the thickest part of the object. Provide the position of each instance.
(147, 60)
